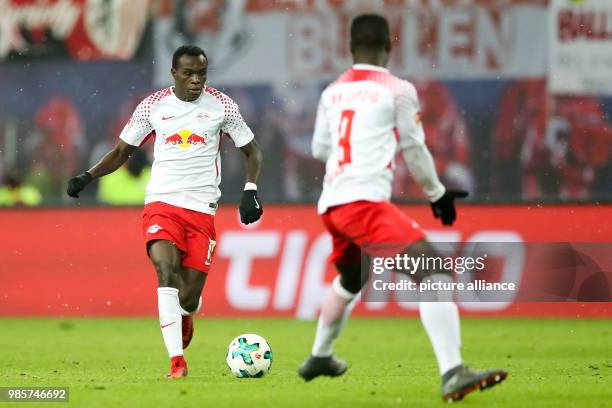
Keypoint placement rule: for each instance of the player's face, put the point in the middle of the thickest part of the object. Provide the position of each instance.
(189, 77)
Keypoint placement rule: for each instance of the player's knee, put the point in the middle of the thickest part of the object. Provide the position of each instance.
(167, 271)
(350, 284)
(350, 277)
(189, 300)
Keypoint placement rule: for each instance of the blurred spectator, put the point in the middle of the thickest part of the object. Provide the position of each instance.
(579, 139)
(254, 107)
(116, 125)
(56, 147)
(549, 146)
(447, 139)
(519, 149)
(291, 115)
(14, 193)
(128, 183)
(109, 140)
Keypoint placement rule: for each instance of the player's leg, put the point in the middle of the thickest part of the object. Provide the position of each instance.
(199, 249)
(439, 314)
(335, 312)
(384, 223)
(166, 259)
(190, 298)
(394, 232)
(335, 308)
(440, 318)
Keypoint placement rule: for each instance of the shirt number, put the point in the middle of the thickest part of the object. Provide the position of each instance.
(346, 124)
(211, 250)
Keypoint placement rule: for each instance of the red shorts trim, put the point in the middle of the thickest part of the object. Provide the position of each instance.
(191, 231)
(363, 222)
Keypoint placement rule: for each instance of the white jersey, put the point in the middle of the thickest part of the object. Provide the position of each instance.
(362, 119)
(186, 171)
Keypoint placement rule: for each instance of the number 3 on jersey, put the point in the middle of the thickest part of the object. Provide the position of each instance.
(346, 124)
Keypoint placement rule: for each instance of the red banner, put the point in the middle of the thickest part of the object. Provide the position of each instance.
(92, 262)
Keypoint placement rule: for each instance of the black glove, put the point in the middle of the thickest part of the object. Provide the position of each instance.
(250, 207)
(444, 207)
(78, 183)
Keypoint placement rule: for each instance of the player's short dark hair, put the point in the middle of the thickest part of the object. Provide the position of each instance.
(192, 50)
(371, 32)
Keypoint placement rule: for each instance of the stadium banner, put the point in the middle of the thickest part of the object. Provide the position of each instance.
(252, 42)
(78, 29)
(92, 261)
(580, 47)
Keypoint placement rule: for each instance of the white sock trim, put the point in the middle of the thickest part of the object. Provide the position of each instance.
(199, 306)
(195, 312)
(167, 290)
(343, 293)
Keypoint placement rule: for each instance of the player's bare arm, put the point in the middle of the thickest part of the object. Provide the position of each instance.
(250, 206)
(111, 161)
(254, 157)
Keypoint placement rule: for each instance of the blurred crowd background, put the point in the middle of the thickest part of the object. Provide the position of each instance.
(498, 125)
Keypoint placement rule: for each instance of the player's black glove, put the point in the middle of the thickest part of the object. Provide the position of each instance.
(250, 207)
(78, 183)
(444, 207)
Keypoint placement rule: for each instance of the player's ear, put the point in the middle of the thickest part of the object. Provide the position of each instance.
(388, 46)
(173, 72)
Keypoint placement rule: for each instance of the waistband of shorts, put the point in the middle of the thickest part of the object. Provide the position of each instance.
(206, 207)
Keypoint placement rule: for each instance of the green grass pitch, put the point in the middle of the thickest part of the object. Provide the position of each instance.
(122, 362)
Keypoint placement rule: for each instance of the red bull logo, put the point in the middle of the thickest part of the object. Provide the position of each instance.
(185, 138)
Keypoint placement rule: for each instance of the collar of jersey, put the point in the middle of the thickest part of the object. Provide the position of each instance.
(370, 67)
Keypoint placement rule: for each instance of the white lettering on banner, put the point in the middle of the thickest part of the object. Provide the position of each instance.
(313, 286)
(241, 248)
(289, 270)
(495, 244)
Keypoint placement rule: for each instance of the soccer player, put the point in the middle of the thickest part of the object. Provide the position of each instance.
(187, 122)
(362, 118)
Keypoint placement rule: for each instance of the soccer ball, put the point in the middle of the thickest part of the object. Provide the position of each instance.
(249, 355)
